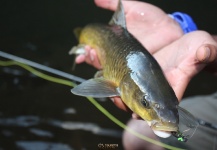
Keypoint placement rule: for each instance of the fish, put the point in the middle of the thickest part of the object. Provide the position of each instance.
(132, 73)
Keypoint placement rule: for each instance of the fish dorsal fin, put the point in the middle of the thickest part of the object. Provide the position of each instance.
(119, 17)
(97, 87)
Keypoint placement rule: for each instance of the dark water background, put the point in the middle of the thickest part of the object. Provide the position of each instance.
(39, 115)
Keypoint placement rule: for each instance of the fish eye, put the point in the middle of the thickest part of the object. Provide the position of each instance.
(145, 103)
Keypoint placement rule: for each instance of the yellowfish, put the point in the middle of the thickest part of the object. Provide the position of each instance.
(131, 72)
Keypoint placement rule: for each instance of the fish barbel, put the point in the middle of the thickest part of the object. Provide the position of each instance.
(129, 71)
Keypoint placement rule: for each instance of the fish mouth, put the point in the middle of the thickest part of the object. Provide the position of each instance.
(166, 126)
(163, 130)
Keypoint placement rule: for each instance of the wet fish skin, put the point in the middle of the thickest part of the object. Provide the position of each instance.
(133, 70)
(131, 73)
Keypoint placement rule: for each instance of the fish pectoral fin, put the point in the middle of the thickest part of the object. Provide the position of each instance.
(119, 16)
(98, 87)
(77, 50)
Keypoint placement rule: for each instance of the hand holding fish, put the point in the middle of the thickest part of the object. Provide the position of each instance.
(180, 56)
(147, 82)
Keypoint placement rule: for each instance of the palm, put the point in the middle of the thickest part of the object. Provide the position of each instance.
(155, 25)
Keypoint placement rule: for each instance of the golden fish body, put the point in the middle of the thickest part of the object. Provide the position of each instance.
(131, 72)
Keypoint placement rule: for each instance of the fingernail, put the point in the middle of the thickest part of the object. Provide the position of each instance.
(206, 54)
(203, 54)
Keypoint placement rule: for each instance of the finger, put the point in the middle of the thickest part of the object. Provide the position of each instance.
(139, 7)
(135, 116)
(147, 23)
(83, 57)
(80, 59)
(120, 104)
(94, 59)
(89, 57)
(133, 142)
(206, 54)
(135, 9)
(110, 4)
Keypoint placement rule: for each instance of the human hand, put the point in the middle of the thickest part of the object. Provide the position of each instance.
(181, 57)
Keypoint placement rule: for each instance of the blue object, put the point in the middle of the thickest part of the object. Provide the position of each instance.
(185, 21)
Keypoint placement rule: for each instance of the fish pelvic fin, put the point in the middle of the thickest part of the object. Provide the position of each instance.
(119, 16)
(77, 50)
(97, 87)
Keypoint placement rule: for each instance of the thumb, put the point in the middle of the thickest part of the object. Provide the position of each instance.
(206, 54)
(186, 57)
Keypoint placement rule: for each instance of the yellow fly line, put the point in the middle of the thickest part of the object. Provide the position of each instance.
(92, 100)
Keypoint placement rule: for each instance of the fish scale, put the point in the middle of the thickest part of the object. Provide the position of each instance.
(131, 72)
(125, 60)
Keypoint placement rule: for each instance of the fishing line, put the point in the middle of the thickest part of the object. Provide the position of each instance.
(41, 67)
(22, 63)
(38, 73)
(63, 74)
(92, 100)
